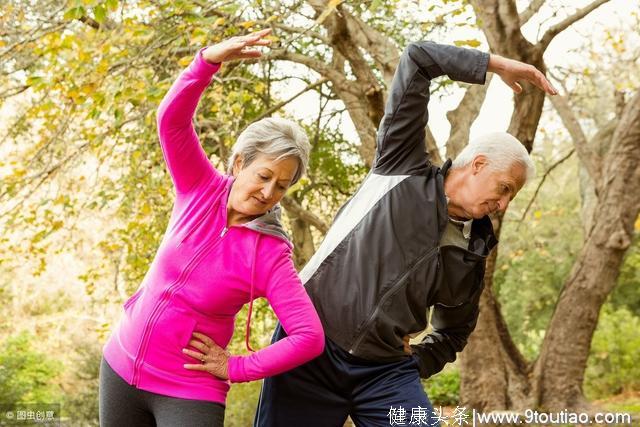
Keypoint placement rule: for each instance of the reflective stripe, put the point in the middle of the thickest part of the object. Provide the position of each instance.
(371, 191)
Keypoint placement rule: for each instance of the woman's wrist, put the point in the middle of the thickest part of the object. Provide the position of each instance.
(210, 56)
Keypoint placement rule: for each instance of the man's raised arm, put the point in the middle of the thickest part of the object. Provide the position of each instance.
(400, 141)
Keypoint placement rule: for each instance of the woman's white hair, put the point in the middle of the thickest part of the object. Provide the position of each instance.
(502, 151)
(273, 137)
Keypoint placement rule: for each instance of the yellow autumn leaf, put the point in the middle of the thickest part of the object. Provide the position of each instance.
(88, 88)
(537, 214)
(637, 224)
(470, 43)
(219, 21)
(247, 24)
(272, 18)
(184, 61)
(331, 6)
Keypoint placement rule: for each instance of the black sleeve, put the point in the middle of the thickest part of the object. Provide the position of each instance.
(400, 140)
(451, 329)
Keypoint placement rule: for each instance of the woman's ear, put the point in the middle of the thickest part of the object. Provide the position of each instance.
(237, 165)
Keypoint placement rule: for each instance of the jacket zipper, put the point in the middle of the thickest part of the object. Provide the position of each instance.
(165, 298)
(386, 296)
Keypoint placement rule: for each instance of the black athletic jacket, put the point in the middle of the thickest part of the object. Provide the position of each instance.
(380, 267)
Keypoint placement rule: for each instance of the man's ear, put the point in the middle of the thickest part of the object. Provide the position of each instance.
(478, 163)
(238, 163)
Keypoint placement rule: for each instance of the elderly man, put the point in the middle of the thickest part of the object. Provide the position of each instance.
(413, 238)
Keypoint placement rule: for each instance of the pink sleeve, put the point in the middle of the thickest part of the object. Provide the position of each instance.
(185, 158)
(296, 313)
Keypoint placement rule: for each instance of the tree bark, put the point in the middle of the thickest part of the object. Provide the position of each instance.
(560, 368)
(494, 374)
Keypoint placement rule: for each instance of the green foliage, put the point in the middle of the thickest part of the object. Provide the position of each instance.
(614, 361)
(535, 256)
(627, 291)
(26, 375)
(81, 407)
(443, 389)
(242, 402)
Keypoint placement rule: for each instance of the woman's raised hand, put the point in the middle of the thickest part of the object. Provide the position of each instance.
(239, 47)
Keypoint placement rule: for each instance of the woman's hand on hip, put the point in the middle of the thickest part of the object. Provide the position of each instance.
(239, 47)
(213, 358)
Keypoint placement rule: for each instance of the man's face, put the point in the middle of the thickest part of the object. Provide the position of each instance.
(488, 191)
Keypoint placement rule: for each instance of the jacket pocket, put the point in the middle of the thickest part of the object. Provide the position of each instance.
(170, 334)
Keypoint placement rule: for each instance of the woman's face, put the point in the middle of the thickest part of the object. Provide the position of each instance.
(261, 184)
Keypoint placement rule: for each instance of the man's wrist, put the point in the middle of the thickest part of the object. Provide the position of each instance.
(496, 63)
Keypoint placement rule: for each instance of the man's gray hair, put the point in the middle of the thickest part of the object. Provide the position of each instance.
(273, 137)
(502, 151)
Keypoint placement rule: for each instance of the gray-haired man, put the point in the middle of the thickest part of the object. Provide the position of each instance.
(413, 238)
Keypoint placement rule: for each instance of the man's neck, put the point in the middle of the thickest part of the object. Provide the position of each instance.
(453, 182)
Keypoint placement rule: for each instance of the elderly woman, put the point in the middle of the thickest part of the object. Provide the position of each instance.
(165, 363)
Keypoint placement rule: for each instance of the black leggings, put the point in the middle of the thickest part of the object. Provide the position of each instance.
(124, 405)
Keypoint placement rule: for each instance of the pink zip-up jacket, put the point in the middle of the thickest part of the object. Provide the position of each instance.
(204, 272)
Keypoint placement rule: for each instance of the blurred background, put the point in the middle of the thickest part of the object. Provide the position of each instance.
(85, 197)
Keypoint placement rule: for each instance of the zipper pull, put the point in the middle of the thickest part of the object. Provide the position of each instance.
(224, 231)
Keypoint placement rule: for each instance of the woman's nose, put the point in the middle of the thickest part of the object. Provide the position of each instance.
(267, 190)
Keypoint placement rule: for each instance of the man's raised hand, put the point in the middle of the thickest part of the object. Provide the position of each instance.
(512, 72)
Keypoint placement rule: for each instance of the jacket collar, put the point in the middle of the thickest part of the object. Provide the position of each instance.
(269, 223)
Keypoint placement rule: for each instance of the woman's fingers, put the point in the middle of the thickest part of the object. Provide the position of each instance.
(196, 355)
(195, 367)
(259, 33)
(205, 339)
(199, 345)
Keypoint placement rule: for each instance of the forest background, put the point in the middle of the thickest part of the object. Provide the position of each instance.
(85, 196)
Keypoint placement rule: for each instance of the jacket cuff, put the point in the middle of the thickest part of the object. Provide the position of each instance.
(236, 369)
(480, 70)
(202, 67)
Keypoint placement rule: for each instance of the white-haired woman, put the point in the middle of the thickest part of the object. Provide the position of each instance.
(165, 363)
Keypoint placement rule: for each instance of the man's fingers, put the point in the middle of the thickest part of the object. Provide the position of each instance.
(515, 86)
(541, 81)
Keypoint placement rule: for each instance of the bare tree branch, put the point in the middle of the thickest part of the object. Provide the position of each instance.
(586, 155)
(564, 24)
(544, 177)
(463, 116)
(299, 212)
(432, 147)
(281, 104)
(531, 10)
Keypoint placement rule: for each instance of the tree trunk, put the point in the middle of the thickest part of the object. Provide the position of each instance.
(560, 368)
